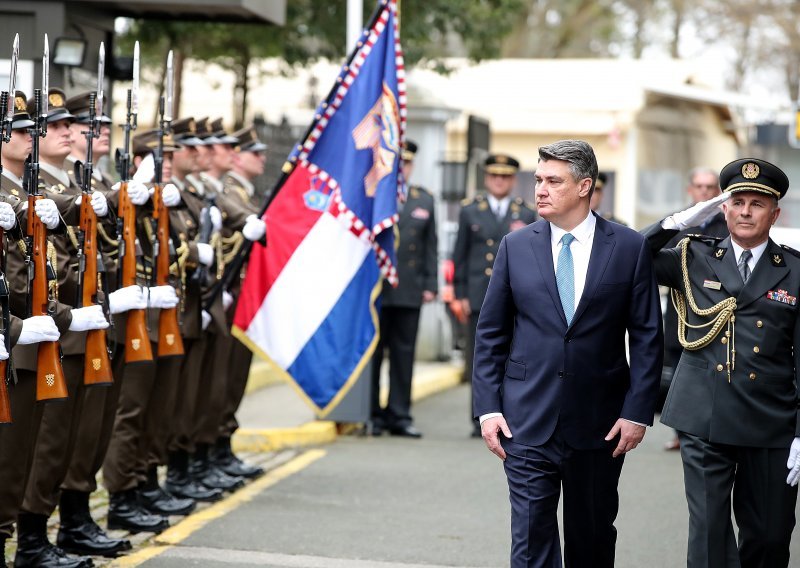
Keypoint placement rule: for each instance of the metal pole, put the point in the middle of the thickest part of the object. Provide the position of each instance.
(355, 23)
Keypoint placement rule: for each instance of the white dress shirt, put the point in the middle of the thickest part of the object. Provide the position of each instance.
(498, 206)
(12, 177)
(755, 251)
(57, 173)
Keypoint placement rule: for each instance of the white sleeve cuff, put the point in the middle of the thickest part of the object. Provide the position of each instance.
(637, 423)
(485, 417)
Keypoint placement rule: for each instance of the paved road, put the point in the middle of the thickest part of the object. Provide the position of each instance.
(440, 501)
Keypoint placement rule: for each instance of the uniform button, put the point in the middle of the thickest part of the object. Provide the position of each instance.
(724, 340)
(756, 349)
(759, 323)
(490, 242)
(720, 367)
(752, 376)
(561, 373)
(488, 272)
(489, 256)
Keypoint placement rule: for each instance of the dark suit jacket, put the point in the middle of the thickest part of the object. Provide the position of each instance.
(759, 406)
(539, 372)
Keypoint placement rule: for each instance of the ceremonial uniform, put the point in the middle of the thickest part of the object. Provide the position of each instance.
(734, 394)
(400, 307)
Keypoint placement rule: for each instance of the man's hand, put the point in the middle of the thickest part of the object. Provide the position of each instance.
(630, 435)
(695, 215)
(465, 307)
(428, 296)
(489, 431)
(794, 463)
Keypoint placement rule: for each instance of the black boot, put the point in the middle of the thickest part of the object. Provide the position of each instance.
(126, 513)
(33, 548)
(79, 534)
(223, 457)
(181, 485)
(204, 472)
(153, 497)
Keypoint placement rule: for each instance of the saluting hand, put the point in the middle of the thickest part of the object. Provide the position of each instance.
(630, 435)
(490, 429)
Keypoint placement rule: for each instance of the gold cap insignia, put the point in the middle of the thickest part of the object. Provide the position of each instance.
(56, 99)
(170, 339)
(136, 344)
(14, 191)
(501, 159)
(50, 379)
(192, 126)
(96, 364)
(750, 170)
(20, 104)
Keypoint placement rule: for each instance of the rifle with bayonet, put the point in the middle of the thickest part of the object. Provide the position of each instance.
(50, 382)
(170, 342)
(97, 363)
(7, 116)
(137, 341)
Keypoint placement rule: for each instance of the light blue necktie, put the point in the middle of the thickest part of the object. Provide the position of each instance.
(565, 277)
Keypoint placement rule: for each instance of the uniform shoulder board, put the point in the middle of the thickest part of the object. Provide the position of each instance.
(467, 201)
(529, 205)
(422, 190)
(705, 239)
(790, 250)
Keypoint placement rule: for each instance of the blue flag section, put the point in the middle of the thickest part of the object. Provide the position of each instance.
(308, 300)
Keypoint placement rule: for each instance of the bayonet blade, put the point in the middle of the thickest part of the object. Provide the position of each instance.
(46, 78)
(135, 87)
(12, 80)
(168, 107)
(101, 67)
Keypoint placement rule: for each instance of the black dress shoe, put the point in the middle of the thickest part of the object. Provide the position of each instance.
(126, 513)
(91, 540)
(214, 478)
(49, 556)
(238, 468)
(407, 431)
(191, 490)
(160, 502)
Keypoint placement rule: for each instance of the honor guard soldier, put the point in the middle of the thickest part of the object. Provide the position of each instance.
(482, 224)
(734, 394)
(400, 306)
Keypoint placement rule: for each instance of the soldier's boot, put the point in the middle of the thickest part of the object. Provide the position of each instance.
(126, 513)
(79, 534)
(223, 457)
(205, 473)
(180, 484)
(34, 550)
(153, 497)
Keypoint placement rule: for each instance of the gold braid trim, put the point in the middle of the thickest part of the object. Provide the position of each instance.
(106, 237)
(52, 257)
(723, 314)
(72, 236)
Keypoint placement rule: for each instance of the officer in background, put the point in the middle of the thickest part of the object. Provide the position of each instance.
(734, 395)
(482, 224)
(400, 307)
(597, 199)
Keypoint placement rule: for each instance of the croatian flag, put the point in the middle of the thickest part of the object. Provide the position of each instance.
(308, 298)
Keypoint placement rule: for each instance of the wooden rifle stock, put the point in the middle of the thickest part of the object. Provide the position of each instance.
(137, 341)
(50, 382)
(170, 342)
(5, 405)
(97, 363)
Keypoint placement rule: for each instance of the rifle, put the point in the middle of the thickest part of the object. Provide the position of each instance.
(97, 363)
(137, 341)
(50, 382)
(206, 230)
(170, 342)
(5, 136)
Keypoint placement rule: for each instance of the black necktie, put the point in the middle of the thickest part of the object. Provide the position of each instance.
(744, 268)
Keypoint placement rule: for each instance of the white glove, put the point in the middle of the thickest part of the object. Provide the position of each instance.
(36, 329)
(137, 191)
(3, 352)
(163, 297)
(170, 195)
(126, 299)
(205, 253)
(90, 317)
(206, 317)
(216, 218)
(695, 215)
(254, 228)
(794, 463)
(227, 300)
(146, 170)
(47, 212)
(7, 217)
(98, 202)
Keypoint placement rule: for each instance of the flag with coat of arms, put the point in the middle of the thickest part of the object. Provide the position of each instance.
(308, 298)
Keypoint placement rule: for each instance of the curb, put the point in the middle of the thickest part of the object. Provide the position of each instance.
(426, 383)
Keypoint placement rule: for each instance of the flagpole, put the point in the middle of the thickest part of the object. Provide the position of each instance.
(355, 20)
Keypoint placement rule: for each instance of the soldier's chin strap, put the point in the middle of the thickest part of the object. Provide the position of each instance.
(722, 314)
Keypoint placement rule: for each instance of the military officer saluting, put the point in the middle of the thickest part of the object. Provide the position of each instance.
(734, 394)
(482, 224)
(400, 307)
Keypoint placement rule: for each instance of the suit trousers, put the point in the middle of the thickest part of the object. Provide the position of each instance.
(469, 356)
(124, 461)
(763, 504)
(589, 479)
(95, 426)
(240, 359)
(17, 441)
(399, 327)
(55, 443)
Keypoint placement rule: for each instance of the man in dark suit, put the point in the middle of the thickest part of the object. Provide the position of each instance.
(482, 224)
(734, 395)
(400, 307)
(555, 395)
(703, 185)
